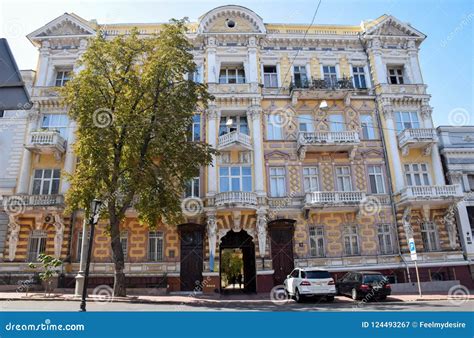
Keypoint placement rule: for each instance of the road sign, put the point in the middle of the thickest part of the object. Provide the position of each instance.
(411, 245)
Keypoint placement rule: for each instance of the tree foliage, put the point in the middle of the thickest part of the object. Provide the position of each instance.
(133, 107)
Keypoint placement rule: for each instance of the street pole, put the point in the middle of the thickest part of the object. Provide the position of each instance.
(95, 208)
(418, 279)
(83, 258)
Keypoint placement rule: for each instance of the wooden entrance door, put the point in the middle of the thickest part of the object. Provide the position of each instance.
(191, 236)
(281, 235)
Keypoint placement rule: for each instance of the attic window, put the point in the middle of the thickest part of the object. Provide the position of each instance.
(230, 23)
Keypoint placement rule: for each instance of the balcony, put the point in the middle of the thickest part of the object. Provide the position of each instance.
(46, 142)
(402, 89)
(233, 88)
(234, 141)
(417, 138)
(334, 200)
(434, 195)
(326, 141)
(236, 199)
(45, 92)
(323, 89)
(31, 201)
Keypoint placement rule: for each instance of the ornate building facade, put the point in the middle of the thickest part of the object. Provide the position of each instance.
(325, 141)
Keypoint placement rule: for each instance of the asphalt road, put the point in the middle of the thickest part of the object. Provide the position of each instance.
(339, 305)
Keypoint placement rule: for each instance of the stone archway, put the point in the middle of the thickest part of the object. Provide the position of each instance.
(243, 241)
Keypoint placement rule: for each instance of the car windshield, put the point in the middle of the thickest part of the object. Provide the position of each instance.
(317, 274)
(374, 278)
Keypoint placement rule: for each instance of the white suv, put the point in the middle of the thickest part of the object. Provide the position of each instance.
(307, 282)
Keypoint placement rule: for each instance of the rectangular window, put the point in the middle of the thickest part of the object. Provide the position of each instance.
(376, 181)
(196, 76)
(62, 77)
(311, 179)
(351, 240)
(155, 246)
(305, 123)
(37, 245)
(343, 178)
(300, 76)
(359, 77)
(192, 187)
(384, 234)
(230, 124)
(124, 243)
(270, 77)
(406, 120)
(56, 122)
(232, 75)
(416, 174)
(46, 181)
(470, 181)
(274, 127)
(330, 76)
(316, 241)
(336, 122)
(277, 182)
(235, 179)
(367, 126)
(429, 236)
(395, 75)
(196, 128)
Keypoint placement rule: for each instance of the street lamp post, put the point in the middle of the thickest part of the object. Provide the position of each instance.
(94, 217)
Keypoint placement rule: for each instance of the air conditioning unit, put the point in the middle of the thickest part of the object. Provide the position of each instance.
(48, 219)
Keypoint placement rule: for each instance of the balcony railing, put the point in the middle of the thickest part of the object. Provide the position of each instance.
(234, 138)
(236, 197)
(324, 84)
(431, 192)
(416, 137)
(46, 142)
(402, 89)
(45, 91)
(39, 200)
(322, 141)
(320, 198)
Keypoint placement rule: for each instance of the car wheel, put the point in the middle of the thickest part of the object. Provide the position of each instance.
(355, 294)
(298, 297)
(330, 299)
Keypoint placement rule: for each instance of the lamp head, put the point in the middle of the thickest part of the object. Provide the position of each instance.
(323, 104)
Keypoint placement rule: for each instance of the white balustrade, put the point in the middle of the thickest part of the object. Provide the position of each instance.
(328, 137)
(236, 197)
(432, 191)
(416, 135)
(44, 139)
(39, 200)
(334, 197)
(234, 137)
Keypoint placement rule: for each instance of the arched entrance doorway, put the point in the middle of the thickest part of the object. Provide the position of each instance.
(192, 248)
(237, 246)
(281, 237)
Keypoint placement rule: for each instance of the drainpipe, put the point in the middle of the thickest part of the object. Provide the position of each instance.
(389, 175)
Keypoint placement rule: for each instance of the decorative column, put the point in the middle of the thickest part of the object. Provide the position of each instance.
(414, 64)
(255, 113)
(252, 56)
(59, 235)
(212, 123)
(212, 238)
(13, 236)
(24, 178)
(392, 141)
(262, 232)
(43, 64)
(439, 179)
(69, 158)
(211, 61)
(380, 70)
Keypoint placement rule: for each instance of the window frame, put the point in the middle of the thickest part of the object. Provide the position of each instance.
(41, 237)
(62, 76)
(279, 179)
(343, 175)
(401, 123)
(306, 120)
(230, 177)
(319, 247)
(337, 122)
(311, 177)
(330, 75)
(411, 174)
(368, 129)
(430, 244)
(124, 238)
(158, 236)
(274, 129)
(301, 72)
(53, 125)
(192, 185)
(398, 75)
(385, 232)
(42, 180)
(358, 76)
(227, 77)
(351, 235)
(273, 77)
(379, 175)
(237, 125)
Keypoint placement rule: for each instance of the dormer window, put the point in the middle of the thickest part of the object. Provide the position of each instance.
(395, 75)
(62, 77)
(232, 74)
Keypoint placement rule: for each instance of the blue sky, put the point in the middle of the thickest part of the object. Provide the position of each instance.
(446, 56)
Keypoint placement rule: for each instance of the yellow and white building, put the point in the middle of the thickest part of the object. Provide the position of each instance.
(326, 142)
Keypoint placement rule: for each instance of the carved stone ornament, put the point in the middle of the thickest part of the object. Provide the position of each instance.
(212, 234)
(59, 235)
(262, 233)
(449, 221)
(13, 237)
(406, 219)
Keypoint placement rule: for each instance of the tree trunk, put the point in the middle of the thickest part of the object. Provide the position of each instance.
(117, 256)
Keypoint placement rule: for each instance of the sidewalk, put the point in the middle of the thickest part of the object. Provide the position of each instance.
(207, 299)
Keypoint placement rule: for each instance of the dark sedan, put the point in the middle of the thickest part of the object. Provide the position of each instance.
(364, 284)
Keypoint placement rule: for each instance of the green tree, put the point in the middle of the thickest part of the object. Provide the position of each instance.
(49, 269)
(133, 107)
